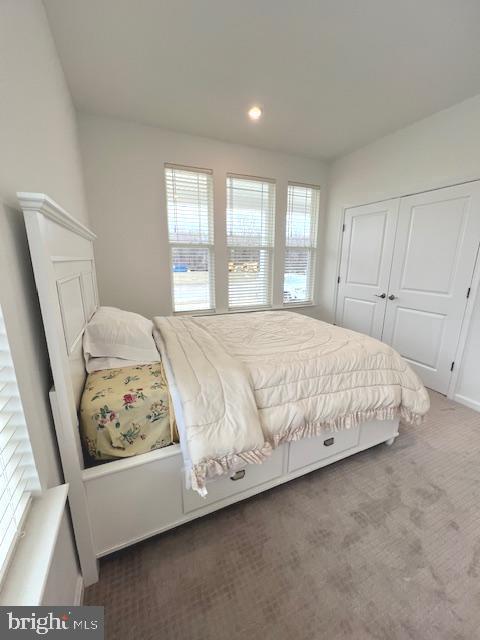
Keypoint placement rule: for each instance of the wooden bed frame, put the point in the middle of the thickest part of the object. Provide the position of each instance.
(122, 502)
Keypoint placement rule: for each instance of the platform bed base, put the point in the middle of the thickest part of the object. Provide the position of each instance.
(133, 499)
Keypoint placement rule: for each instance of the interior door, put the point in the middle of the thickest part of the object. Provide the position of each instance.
(368, 241)
(437, 239)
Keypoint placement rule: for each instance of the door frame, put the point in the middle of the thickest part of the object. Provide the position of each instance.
(464, 331)
(469, 302)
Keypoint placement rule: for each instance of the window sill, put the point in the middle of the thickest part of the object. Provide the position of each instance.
(27, 575)
(297, 305)
(291, 305)
(196, 312)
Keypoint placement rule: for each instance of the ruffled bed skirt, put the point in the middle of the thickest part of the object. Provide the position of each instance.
(214, 467)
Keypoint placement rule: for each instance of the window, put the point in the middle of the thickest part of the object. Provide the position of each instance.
(300, 243)
(250, 239)
(18, 477)
(190, 233)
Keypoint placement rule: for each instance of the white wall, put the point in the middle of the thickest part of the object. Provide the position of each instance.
(441, 150)
(38, 152)
(124, 174)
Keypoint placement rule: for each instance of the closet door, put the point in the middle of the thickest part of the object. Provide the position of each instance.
(367, 250)
(435, 250)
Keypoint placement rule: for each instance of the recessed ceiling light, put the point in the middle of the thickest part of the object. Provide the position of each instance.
(255, 113)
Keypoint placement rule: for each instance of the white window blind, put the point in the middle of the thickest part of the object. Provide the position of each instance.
(250, 240)
(190, 233)
(300, 243)
(18, 477)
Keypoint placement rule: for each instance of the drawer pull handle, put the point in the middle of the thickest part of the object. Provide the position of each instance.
(238, 475)
(328, 442)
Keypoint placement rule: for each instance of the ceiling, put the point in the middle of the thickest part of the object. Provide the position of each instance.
(331, 75)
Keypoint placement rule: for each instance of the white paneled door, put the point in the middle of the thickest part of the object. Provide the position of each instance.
(368, 241)
(435, 251)
(420, 251)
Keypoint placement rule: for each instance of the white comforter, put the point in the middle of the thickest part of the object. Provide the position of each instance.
(249, 381)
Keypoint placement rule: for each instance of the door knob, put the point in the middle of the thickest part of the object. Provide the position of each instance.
(380, 295)
(392, 297)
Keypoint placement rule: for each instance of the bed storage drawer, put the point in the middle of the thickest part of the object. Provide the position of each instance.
(311, 450)
(248, 478)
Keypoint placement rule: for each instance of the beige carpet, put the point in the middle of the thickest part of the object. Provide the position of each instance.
(384, 545)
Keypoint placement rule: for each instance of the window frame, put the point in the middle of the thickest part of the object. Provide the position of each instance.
(208, 246)
(23, 450)
(268, 248)
(311, 248)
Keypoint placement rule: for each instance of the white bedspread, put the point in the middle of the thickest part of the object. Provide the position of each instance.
(249, 381)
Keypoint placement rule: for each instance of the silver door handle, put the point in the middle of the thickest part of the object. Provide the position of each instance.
(380, 295)
(392, 297)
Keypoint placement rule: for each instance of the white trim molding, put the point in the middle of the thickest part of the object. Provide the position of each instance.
(468, 402)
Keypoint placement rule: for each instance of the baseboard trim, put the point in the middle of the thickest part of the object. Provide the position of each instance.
(468, 402)
(78, 599)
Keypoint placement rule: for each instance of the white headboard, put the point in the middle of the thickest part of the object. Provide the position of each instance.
(63, 264)
(64, 268)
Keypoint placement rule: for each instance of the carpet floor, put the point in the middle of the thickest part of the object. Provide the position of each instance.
(383, 545)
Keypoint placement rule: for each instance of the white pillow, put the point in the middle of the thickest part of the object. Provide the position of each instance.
(113, 333)
(100, 364)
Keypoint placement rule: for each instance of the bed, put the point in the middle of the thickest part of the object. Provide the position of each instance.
(261, 448)
(250, 382)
